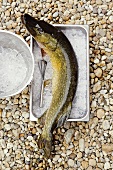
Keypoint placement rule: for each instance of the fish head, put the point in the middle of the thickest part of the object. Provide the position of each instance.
(31, 24)
(43, 32)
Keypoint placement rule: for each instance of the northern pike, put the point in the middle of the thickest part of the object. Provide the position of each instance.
(64, 79)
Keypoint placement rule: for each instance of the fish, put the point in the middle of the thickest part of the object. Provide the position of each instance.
(65, 75)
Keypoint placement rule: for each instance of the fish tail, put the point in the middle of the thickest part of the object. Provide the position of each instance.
(46, 144)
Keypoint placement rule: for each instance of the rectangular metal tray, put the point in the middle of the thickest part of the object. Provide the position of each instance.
(78, 36)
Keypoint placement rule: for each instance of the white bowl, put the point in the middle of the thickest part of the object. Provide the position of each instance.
(16, 75)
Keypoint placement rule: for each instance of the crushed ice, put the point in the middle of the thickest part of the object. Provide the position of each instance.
(13, 69)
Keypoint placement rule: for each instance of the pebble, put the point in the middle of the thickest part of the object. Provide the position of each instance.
(7, 127)
(104, 57)
(98, 2)
(89, 168)
(10, 1)
(92, 162)
(106, 125)
(111, 18)
(107, 165)
(79, 155)
(85, 164)
(96, 87)
(25, 115)
(9, 145)
(107, 147)
(100, 165)
(81, 145)
(111, 133)
(68, 135)
(27, 167)
(56, 158)
(71, 163)
(2, 143)
(30, 138)
(55, 14)
(96, 61)
(15, 133)
(4, 2)
(98, 72)
(100, 113)
(102, 32)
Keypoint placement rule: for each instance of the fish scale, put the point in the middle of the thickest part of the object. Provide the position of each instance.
(65, 75)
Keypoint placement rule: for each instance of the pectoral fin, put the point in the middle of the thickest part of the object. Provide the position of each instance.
(62, 116)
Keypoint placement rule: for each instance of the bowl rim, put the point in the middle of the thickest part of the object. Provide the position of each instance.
(32, 58)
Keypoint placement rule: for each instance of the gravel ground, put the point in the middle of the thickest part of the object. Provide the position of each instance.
(78, 146)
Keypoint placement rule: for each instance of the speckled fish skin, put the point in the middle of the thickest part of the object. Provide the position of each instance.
(65, 75)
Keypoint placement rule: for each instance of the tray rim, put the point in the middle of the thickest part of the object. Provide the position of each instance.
(86, 117)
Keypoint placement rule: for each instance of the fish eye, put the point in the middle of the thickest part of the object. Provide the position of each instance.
(39, 28)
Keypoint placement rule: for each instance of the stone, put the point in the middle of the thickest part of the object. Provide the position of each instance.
(7, 13)
(93, 104)
(92, 162)
(30, 138)
(111, 133)
(96, 61)
(103, 57)
(89, 168)
(106, 125)
(81, 145)
(10, 1)
(111, 101)
(9, 145)
(49, 1)
(2, 143)
(2, 106)
(27, 167)
(55, 14)
(107, 165)
(100, 165)
(111, 18)
(66, 13)
(100, 113)
(7, 127)
(15, 133)
(68, 135)
(4, 2)
(96, 87)
(98, 72)
(84, 164)
(109, 66)
(56, 158)
(79, 155)
(103, 39)
(0, 112)
(71, 163)
(1, 154)
(25, 115)
(102, 32)
(71, 2)
(98, 2)
(95, 10)
(107, 147)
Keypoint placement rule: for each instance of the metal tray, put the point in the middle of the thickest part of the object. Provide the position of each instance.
(78, 36)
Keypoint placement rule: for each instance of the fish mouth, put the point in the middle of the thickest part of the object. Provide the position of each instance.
(30, 23)
(28, 20)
